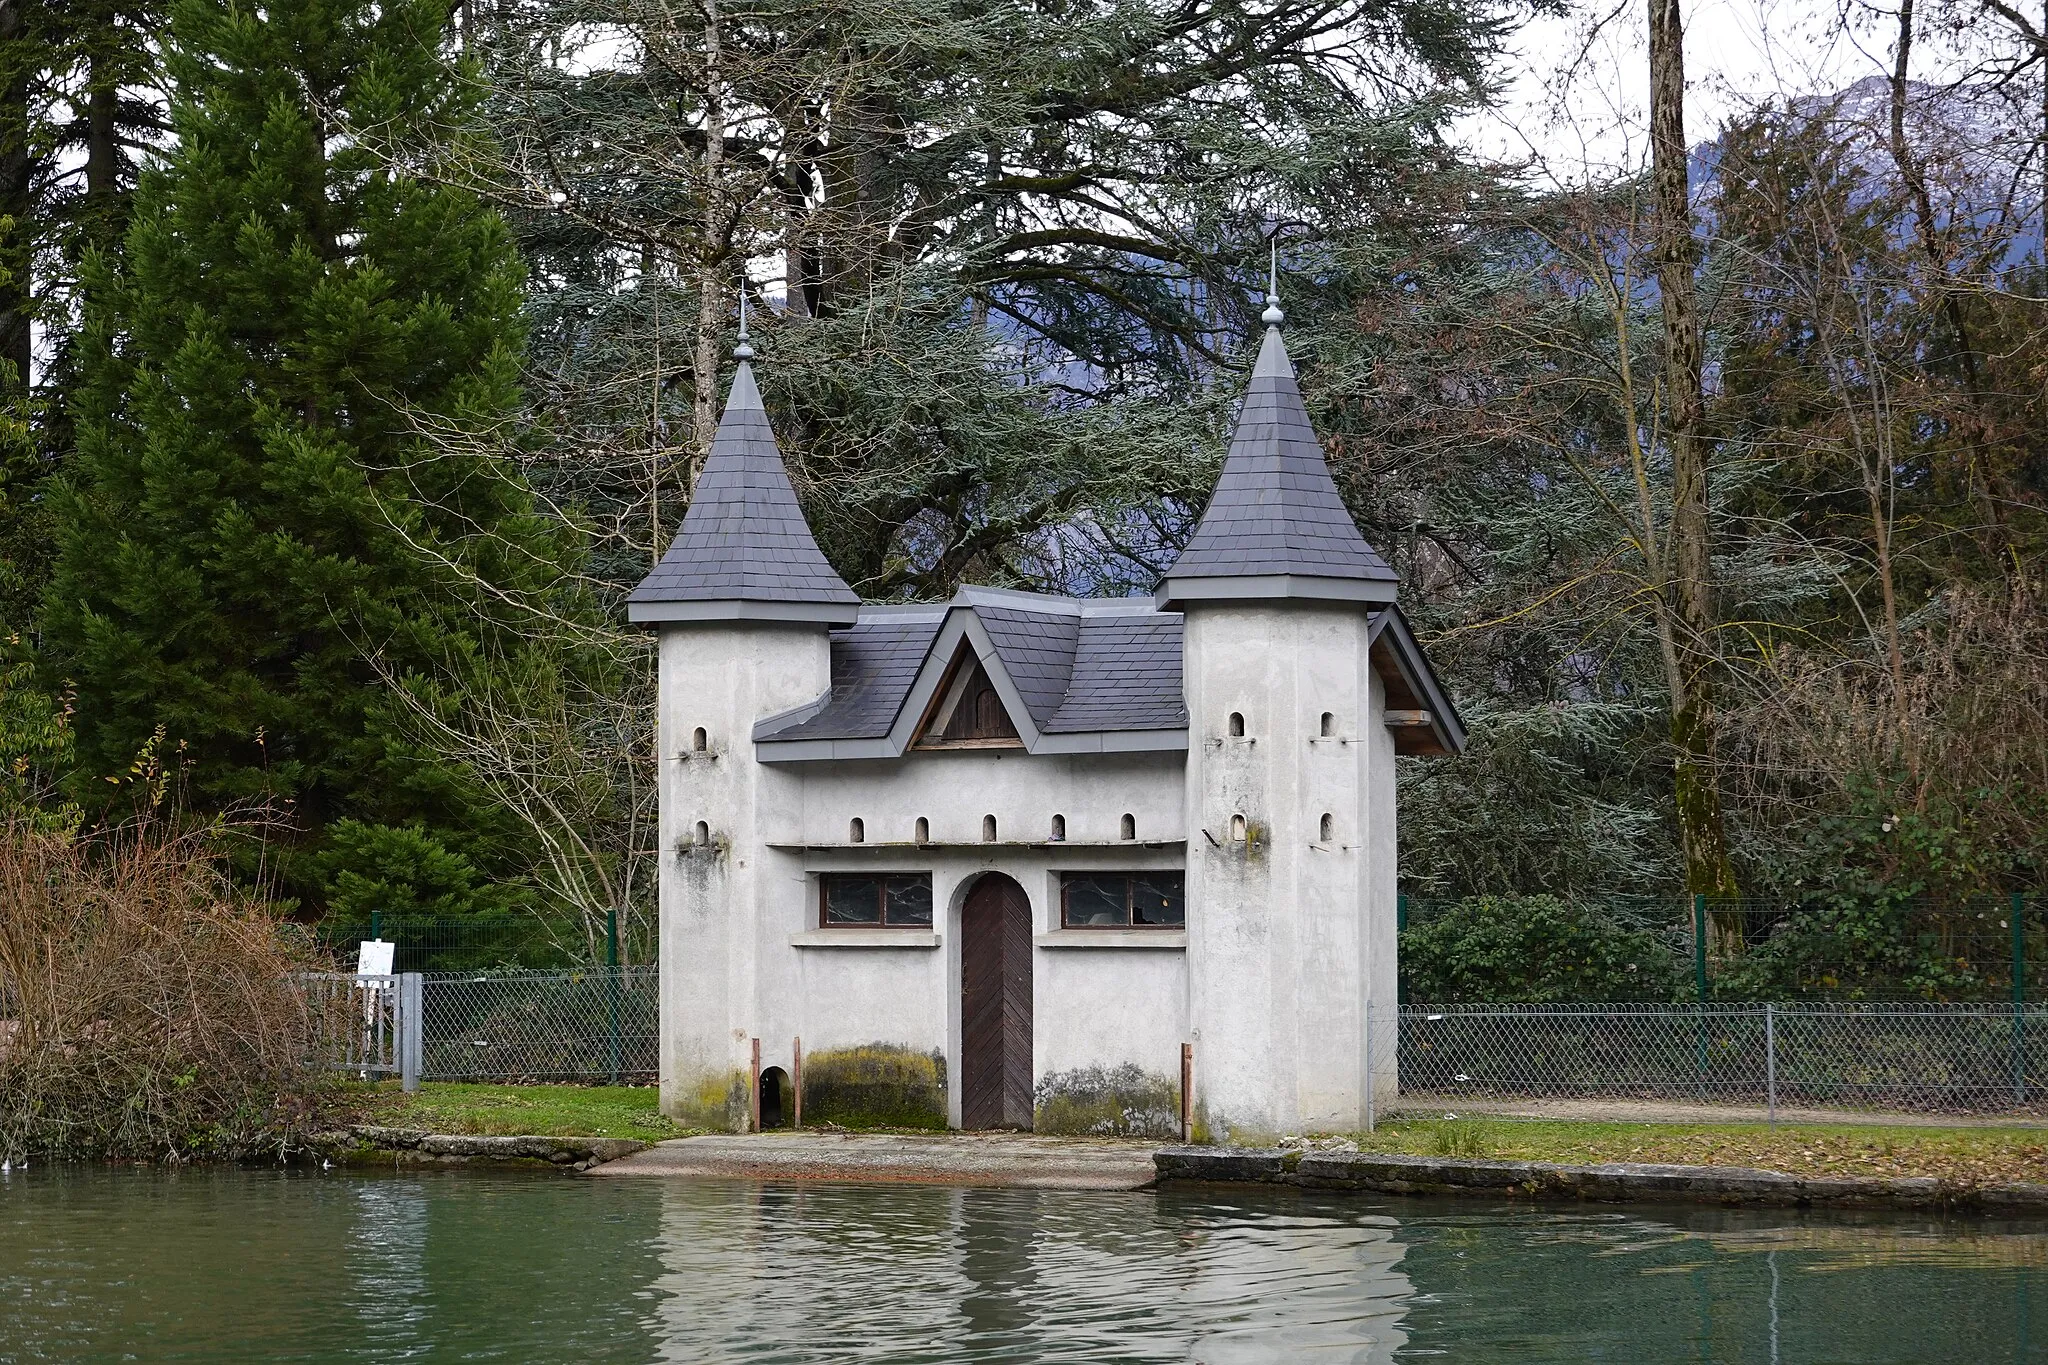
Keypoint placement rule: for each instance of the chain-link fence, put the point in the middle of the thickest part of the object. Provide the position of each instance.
(593, 1024)
(471, 943)
(1931, 1058)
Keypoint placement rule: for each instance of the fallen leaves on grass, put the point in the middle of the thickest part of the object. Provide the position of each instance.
(1962, 1156)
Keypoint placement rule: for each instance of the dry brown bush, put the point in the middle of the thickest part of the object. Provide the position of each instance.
(148, 1008)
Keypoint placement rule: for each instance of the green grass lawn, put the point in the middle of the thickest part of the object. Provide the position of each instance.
(1964, 1155)
(1969, 1155)
(620, 1111)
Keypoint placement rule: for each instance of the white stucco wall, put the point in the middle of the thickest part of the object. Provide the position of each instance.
(1288, 932)
(721, 678)
(1280, 918)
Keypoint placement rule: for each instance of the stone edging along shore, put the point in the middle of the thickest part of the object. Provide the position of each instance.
(408, 1146)
(1619, 1182)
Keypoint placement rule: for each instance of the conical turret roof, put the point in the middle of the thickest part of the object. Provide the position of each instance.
(744, 551)
(1276, 526)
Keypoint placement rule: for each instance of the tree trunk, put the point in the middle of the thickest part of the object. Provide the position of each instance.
(17, 187)
(711, 272)
(1702, 832)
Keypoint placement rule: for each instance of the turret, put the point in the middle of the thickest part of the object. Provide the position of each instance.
(744, 602)
(1290, 792)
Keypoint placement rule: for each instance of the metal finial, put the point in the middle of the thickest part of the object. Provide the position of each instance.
(743, 351)
(1273, 317)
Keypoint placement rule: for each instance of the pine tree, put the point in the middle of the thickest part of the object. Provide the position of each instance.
(257, 541)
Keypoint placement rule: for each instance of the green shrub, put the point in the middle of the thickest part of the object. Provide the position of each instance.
(1531, 949)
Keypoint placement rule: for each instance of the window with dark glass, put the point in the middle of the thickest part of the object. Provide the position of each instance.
(893, 900)
(1123, 900)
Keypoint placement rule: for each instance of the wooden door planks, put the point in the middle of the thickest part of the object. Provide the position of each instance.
(995, 1006)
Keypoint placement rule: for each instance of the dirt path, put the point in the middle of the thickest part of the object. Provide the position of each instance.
(1664, 1111)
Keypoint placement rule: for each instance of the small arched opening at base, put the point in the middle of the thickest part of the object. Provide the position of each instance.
(777, 1099)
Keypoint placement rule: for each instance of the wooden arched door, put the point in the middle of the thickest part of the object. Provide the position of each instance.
(995, 1005)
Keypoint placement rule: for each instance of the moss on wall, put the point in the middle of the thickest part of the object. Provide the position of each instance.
(878, 1085)
(719, 1103)
(1096, 1101)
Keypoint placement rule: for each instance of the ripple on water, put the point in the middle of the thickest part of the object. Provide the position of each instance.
(238, 1265)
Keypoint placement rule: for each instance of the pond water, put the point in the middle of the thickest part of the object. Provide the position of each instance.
(232, 1265)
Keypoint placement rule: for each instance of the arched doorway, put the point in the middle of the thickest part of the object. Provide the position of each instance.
(995, 1005)
(775, 1098)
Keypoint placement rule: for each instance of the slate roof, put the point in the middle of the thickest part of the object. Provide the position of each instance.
(1037, 649)
(1276, 516)
(873, 666)
(744, 550)
(1126, 676)
(1081, 666)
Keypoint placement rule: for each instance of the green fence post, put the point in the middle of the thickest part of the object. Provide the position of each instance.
(1699, 944)
(2019, 997)
(1401, 913)
(611, 960)
(1699, 968)
(376, 925)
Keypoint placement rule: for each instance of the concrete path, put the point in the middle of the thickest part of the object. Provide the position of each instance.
(1012, 1159)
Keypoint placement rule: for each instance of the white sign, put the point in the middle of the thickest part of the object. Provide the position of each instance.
(374, 957)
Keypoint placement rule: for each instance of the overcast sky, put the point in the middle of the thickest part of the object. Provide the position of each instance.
(1580, 109)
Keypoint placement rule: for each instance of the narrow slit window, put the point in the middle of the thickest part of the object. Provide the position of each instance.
(988, 829)
(1123, 900)
(1329, 827)
(699, 741)
(893, 901)
(701, 836)
(1059, 828)
(922, 830)
(1128, 829)
(1237, 725)
(1329, 725)
(856, 832)
(1237, 828)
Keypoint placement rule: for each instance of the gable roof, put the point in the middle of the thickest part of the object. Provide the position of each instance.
(1117, 663)
(1276, 526)
(744, 551)
(1074, 675)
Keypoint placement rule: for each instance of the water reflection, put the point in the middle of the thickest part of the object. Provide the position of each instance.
(347, 1267)
(810, 1273)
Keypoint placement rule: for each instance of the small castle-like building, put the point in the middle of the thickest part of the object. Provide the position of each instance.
(1019, 860)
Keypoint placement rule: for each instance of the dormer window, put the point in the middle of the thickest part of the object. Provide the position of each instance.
(968, 712)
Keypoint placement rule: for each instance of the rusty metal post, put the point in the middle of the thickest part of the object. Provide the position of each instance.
(757, 1088)
(1187, 1092)
(796, 1083)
